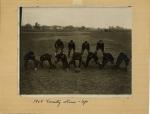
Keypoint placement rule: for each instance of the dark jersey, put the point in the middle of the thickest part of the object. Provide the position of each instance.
(71, 45)
(59, 44)
(85, 46)
(100, 45)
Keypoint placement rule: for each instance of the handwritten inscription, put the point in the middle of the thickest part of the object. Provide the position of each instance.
(58, 102)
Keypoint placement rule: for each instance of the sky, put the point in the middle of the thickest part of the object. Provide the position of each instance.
(89, 17)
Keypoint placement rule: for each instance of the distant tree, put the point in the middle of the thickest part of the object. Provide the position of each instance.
(27, 27)
(37, 26)
(118, 28)
(44, 28)
(111, 28)
(69, 28)
(83, 28)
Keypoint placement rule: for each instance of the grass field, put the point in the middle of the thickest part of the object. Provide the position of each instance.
(89, 80)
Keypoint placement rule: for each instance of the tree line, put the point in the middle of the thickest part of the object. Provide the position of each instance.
(45, 28)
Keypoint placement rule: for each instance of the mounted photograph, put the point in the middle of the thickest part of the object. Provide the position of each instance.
(75, 51)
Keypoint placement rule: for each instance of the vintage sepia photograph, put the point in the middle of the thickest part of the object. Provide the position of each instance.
(75, 50)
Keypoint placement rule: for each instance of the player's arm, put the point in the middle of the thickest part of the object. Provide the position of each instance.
(56, 44)
(74, 45)
(82, 45)
(68, 45)
(62, 45)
